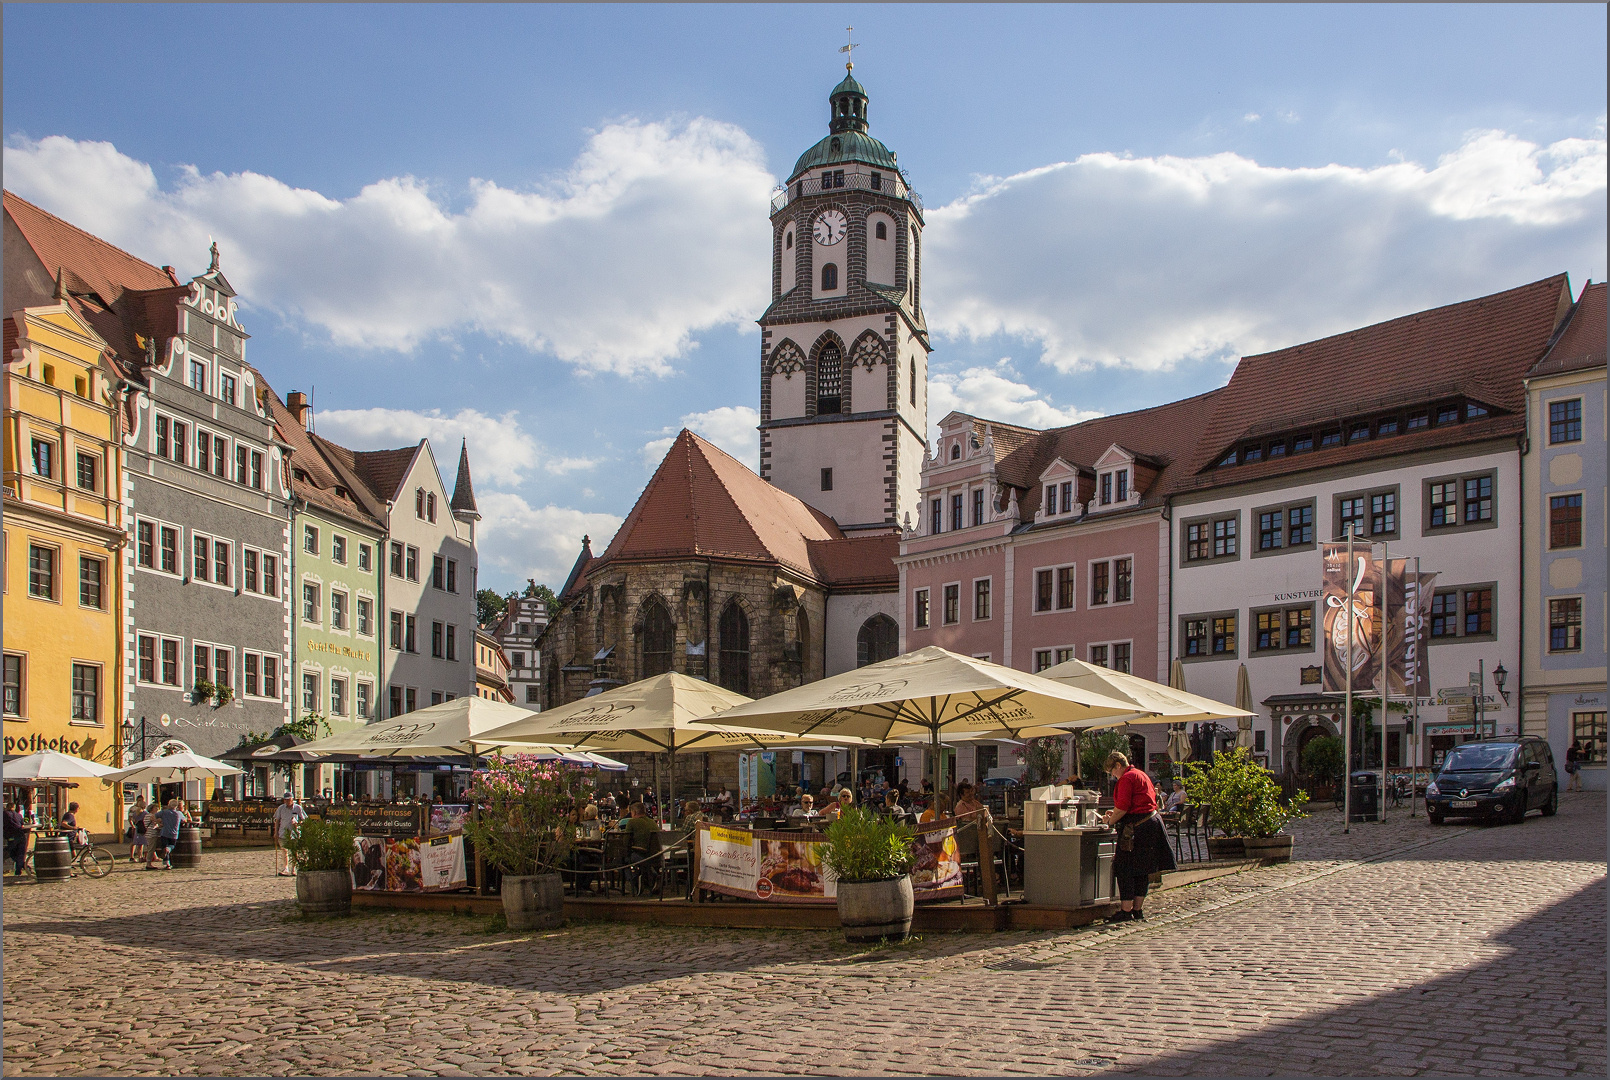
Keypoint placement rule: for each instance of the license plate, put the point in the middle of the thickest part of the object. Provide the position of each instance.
(1463, 804)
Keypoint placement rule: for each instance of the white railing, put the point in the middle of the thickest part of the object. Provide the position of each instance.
(887, 183)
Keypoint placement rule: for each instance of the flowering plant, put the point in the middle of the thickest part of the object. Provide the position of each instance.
(524, 824)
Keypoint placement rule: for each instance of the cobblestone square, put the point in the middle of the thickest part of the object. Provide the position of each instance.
(1399, 949)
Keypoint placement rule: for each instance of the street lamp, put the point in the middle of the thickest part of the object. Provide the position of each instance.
(1500, 677)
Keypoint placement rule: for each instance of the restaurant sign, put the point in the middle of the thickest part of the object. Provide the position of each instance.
(377, 819)
(787, 866)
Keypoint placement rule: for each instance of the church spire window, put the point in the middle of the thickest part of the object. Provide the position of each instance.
(829, 379)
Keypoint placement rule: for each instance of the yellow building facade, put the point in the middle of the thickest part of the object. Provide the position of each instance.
(64, 534)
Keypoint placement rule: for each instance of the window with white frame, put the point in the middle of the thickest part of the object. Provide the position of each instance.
(310, 603)
(919, 609)
(260, 674)
(366, 558)
(338, 696)
(366, 617)
(310, 691)
(363, 700)
(310, 539)
(338, 548)
(338, 610)
(981, 599)
(952, 612)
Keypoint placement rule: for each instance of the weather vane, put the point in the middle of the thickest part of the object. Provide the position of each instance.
(849, 49)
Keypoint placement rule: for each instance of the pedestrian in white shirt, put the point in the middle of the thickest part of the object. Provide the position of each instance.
(287, 816)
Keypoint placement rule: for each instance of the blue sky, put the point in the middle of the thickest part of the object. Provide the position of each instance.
(545, 227)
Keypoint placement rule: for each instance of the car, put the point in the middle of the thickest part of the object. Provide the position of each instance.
(1499, 779)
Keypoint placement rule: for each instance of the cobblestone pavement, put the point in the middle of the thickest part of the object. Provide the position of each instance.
(1398, 949)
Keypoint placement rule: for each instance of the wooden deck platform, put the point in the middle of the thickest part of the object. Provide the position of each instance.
(968, 916)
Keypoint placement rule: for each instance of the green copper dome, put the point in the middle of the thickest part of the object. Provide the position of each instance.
(849, 140)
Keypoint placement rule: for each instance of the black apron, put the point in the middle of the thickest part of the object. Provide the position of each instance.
(1142, 846)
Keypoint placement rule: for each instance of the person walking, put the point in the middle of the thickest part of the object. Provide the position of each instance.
(16, 835)
(287, 816)
(139, 823)
(167, 823)
(1573, 767)
(1142, 842)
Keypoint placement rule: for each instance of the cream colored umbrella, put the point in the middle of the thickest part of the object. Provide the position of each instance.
(444, 730)
(1243, 704)
(51, 765)
(657, 715)
(931, 691)
(1176, 674)
(1170, 705)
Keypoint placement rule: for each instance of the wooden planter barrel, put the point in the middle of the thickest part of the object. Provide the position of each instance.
(533, 902)
(324, 892)
(53, 858)
(875, 910)
(187, 855)
(1226, 847)
(1269, 848)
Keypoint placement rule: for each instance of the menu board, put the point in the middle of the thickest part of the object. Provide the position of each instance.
(233, 820)
(377, 819)
(787, 866)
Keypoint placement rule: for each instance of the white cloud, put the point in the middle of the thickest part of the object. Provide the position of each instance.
(731, 427)
(993, 393)
(501, 451)
(656, 231)
(1149, 261)
(1252, 118)
(519, 541)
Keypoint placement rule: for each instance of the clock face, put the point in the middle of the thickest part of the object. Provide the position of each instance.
(830, 228)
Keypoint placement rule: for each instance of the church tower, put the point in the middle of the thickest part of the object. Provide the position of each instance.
(844, 348)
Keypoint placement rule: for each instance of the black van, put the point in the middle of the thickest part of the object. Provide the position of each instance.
(1496, 779)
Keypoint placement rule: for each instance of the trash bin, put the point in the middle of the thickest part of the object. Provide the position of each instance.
(1364, 799)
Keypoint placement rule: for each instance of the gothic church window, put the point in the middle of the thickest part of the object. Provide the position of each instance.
(802, 631)
(829, 379)
(659, 636)
(877, 640)
(734, 630)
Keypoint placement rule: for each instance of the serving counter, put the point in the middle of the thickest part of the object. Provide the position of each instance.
(1069, 867)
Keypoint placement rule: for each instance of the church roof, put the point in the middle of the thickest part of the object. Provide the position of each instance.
(848, 85)
(578, 572)
(849, 146)
(703, 503)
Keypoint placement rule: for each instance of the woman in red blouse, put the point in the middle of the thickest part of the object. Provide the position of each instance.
(1142, 842)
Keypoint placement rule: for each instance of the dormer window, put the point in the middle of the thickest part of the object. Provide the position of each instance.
(1447, 414)
(1418, 421)
(1228, 459)
(1123, 485)
(1050, 498)
(1474, 411)
(1106, 489)
(1389, 426)
(955, 451)
(1302, 444)
(1277, 448)
(1330, 438)
(1067, 496)
(1252, 453)
(1359, 433)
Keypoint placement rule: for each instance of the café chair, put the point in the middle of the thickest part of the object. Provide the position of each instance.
(617, 853)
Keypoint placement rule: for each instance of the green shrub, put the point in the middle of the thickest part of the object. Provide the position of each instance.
(1242, 798)
(864, 846)
(316, 844)
(1322, 759)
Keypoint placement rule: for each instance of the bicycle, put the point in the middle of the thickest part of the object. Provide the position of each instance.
(1397, 790)
(92, 859)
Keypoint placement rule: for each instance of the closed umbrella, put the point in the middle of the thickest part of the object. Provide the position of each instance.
(1176, 674)
(931, 691)
(1243, 704)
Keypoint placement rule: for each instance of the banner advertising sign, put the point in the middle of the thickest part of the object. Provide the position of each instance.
(787, 866)
(448, 818)
(414, 864)
(1361, 652)
(237, 820)
(1410, 672)
(377, 819)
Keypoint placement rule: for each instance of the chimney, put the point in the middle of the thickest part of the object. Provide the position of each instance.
(296, 401)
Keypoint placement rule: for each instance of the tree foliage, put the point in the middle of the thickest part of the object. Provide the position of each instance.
(1242, 797)
(488, 606)
(1322, 759)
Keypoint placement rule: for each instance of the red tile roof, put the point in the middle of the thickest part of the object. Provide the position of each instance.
(104, 269)
(1581, 344)
(703, 503)
(326, 480)
(1478, 349)
(857, 562)
(1165, 434)
(383, 470)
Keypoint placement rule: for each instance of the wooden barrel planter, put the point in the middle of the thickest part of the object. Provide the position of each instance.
(533, 902)
(1269, 848)
(1226, 847)
(324, 892)
(875, 910)
(53, 858)
(187, 855)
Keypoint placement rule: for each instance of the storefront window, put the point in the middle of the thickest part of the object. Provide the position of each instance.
(1588, 731)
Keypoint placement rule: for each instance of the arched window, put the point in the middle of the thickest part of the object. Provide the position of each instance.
(878, 640)
(802, 631)
(430, 507)
(913, 381)
(830, 277)
(788, 240)
(659, 637)
(734, 628)
(419, 503)
(829, 379)
(883, 231)
(955, 451)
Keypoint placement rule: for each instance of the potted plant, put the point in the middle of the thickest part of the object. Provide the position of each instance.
(870, 856)
(322, 851)
(523, 828)
(1243, 801)
(202, 690)
(222, 694)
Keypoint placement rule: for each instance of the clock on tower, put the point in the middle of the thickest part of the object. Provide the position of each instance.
(844, 346)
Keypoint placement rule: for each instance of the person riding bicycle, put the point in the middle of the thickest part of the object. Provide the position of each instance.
(77, 836)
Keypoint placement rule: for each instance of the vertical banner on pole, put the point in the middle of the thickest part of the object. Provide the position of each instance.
(1410, 670)
(1362, 653)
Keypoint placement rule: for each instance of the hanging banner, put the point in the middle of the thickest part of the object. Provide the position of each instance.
(1409, 634)
(1361, 653)
(787, 866)
(448, 818)
(414, 864)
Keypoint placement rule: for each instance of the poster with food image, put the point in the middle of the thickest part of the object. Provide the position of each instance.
(937, 873)
(791, 869)
(448, 818)
(1350, 642)
(402, 866)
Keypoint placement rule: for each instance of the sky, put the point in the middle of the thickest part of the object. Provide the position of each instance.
(544, 228)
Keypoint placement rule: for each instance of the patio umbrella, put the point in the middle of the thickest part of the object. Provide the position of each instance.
(654, 715)
(444, 730)
(1171, 705)
(182, 766)
(50, 765)
(1243, 704)
(1176, 674)
(932, 691)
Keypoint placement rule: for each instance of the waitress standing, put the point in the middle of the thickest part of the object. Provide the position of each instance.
(1142, 842)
